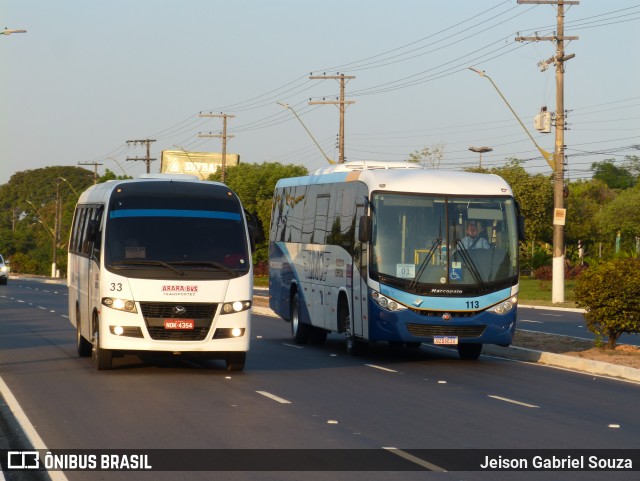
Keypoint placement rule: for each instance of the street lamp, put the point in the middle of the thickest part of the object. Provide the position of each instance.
(69, 184)
(8, 31)
(556, 162)
(481, 150)
(287, 106)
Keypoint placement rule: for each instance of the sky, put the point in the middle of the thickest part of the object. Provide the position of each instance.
(89, 75)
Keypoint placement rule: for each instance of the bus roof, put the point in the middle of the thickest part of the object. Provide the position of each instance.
(406, 178)
(101, 192)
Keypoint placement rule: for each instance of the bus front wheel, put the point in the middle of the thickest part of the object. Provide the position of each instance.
(355, 347)
(469, 352)
(236, 360)
(299, 331)
(83, 346)
(102, 358)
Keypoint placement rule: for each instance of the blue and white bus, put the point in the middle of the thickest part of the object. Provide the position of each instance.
(161, 263)
(378, 251)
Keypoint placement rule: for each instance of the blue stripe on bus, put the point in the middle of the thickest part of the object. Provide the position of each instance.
(206, 214)
(445, 303)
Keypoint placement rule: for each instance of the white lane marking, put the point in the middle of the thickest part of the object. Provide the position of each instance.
(380, 367)
(274, 397)
(27, 427)
(415, 459)
(292, 345)
(43, 308)
(551, 315)
(532, 322)
(500, 398)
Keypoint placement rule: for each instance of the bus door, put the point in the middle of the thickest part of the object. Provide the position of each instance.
(94, 246)
(358, 279)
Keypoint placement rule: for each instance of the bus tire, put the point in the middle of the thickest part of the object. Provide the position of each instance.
(83, 346)
(299, 331)
(469, 352)
(102, 358)
(235, 361)
(317, 335)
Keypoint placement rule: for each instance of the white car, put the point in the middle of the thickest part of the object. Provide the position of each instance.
(4, 271)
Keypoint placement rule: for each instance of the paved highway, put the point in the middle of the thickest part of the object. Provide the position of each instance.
(566, 322)
(291, 397)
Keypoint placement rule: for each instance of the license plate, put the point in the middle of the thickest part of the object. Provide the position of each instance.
(446, 340)
(179, 324)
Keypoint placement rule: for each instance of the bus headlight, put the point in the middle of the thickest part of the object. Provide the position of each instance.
(386, 303)
(504, 306)
(237, 306)
(120, 304)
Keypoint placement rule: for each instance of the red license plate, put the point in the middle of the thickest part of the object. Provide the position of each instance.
(179, 324)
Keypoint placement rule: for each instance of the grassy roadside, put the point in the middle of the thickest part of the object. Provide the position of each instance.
(537, 292)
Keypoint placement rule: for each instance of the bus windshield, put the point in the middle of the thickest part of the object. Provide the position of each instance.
(420, 241)
(195, 236)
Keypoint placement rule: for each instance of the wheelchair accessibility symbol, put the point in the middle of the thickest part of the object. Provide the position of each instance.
(455, 274)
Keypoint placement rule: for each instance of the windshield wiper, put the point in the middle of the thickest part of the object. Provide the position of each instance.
(425, 263)
(139, 262)
(464, 253)
(213, 264)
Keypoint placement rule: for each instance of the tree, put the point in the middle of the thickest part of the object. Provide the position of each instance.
(428, 156)
(612, 175)
(254, 184)
(587, 198)
(28, 215)
(610, 293)
(110, 175)
(622, 214)
(534, 193)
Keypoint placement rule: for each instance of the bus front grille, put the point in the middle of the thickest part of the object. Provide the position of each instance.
(155, 314)
(430, 330)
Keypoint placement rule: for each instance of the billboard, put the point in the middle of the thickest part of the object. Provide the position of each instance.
(201, 164)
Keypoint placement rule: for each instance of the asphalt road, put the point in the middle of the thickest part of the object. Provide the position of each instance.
(291, 397)
(566, 322)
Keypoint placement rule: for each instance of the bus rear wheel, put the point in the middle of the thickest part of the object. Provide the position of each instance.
(236, 360)
(102, 358)
(469, 352)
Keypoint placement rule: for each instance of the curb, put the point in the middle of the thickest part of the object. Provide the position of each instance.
(588, 366)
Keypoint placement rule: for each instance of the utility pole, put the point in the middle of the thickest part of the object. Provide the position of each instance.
(559, 211)
(56, 232)
(341, 103)
(95, 169)
(222, 136)
(148, 158)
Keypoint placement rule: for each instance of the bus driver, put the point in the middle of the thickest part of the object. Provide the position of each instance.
(473, 240)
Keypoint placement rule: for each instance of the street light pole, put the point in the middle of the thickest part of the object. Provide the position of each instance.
(8, 31)
(481, 150)
(287, 106)
(69, 184)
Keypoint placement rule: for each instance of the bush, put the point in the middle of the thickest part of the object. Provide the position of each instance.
(545, 273)
(610, 293)
(261, 268)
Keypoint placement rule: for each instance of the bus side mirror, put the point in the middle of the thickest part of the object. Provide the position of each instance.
(253, 228)
(364, 230)
(521, 232)
(92, 231)
(252, 238)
